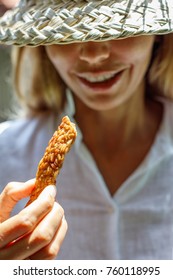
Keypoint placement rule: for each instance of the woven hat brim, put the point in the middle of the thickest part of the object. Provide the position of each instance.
(61, 22)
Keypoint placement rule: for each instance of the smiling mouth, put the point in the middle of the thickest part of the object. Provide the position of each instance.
(101, 81)
(98, 78)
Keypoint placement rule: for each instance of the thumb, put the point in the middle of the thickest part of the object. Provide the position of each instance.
(11, 194)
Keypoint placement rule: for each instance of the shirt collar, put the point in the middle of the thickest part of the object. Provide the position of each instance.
(69, 108)
(163, 143)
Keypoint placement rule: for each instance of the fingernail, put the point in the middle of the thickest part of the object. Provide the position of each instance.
(53, 190)
(63, 218)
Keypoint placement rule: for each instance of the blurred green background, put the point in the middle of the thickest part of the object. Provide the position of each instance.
(6, 100)
(6, 96)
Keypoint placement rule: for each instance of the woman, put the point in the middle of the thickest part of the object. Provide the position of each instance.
(116, 183)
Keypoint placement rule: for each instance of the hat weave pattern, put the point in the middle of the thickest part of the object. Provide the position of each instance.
(43, 22)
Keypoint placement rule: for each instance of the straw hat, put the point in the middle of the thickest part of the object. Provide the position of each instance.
(41, 22)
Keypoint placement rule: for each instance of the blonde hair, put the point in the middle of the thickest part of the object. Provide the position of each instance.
(36, 82)
(161, 71)
(39, 86)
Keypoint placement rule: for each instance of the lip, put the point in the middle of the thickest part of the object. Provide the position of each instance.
(102, 85)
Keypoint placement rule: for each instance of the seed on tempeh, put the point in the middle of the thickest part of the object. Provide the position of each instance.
(52, 161)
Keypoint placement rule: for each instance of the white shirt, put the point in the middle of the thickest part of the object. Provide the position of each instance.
(136, 223)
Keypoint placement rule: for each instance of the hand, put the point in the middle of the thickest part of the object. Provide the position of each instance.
(36, 232)
(9, 3)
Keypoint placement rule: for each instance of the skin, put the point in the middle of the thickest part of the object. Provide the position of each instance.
(128, 121)
(9, 3)
(128, 55)
(27, 234)
(6, 5)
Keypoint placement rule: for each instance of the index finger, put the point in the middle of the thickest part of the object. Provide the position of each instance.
(11, 194)
(21, 224)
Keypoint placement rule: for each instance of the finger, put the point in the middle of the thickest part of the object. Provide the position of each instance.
(11, 194)
(41, 236)
(51, 251)
(28, 218)
(44, 235)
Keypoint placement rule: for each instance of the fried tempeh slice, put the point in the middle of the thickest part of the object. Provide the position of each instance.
(52, 161)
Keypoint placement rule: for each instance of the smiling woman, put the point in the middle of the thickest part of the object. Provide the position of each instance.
(113, 70)
(108, 66)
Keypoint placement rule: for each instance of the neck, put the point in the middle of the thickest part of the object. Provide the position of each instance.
(119, 139)
(122, 124)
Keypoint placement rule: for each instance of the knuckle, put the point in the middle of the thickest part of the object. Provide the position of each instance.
(47, 203)
(44, 236)
(27, 222)
(9, 188)
(52, 252)
(60, 210)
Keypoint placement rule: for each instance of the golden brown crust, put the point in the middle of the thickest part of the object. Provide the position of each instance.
(52, 161)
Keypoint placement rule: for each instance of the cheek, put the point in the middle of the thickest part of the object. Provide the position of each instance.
(59, 58)
(53, 55)
(140, 59)
(135, 48)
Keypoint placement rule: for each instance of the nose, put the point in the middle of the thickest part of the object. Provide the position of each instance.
(94, 52)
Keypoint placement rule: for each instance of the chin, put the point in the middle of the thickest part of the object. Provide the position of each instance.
(104, 103)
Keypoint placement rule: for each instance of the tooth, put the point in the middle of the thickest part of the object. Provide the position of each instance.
(99, 78)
